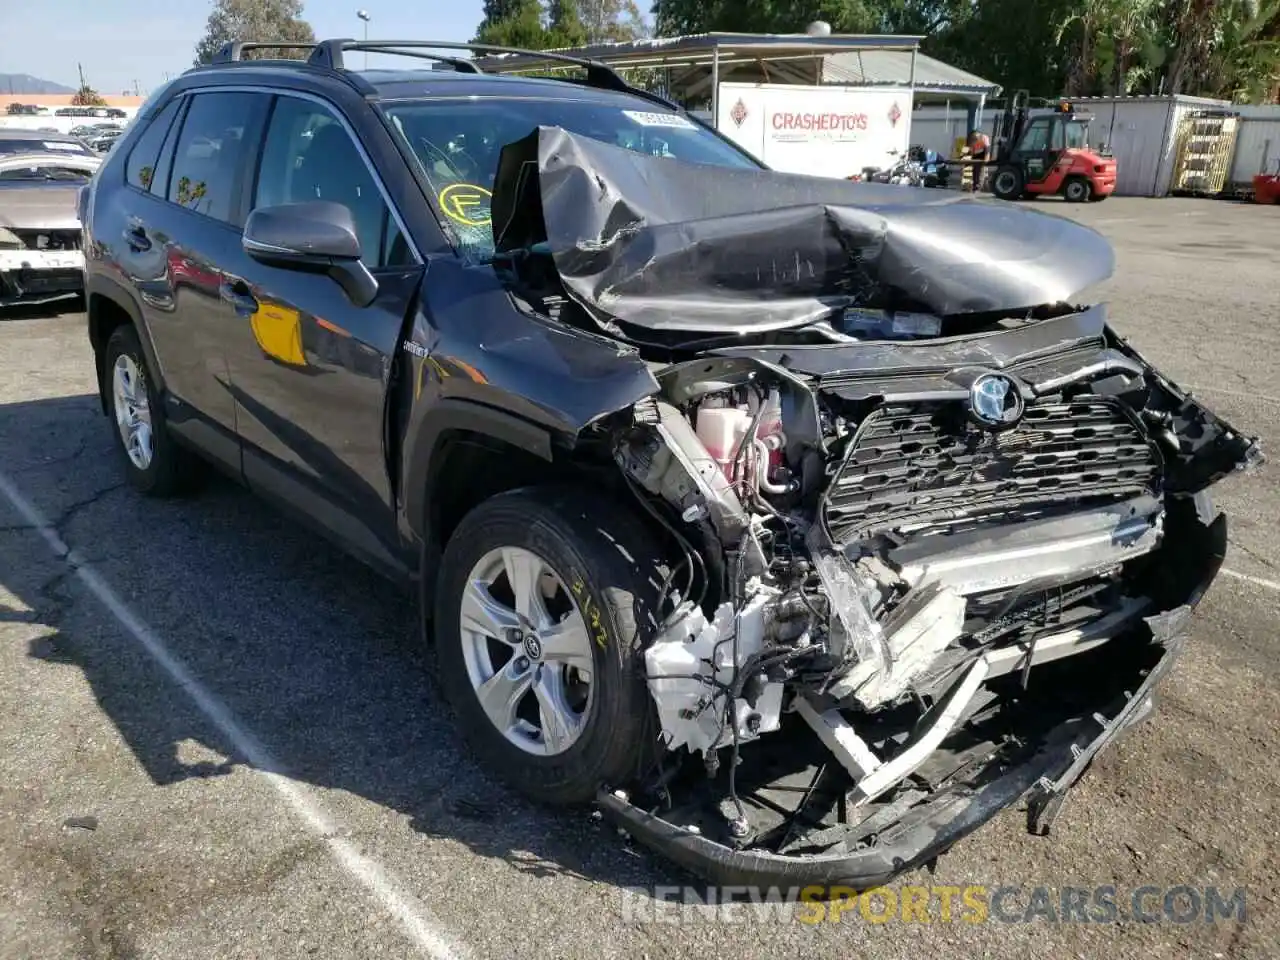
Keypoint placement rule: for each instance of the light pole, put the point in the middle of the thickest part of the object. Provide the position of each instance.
(364, 15)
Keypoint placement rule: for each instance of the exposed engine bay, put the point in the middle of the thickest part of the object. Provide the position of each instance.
(940, 528)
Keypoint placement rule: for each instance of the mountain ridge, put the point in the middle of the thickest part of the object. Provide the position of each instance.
(17, 84)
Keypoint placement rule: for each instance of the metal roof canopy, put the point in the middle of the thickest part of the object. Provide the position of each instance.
(706, 59)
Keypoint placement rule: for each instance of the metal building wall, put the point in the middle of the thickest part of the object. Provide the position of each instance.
(1257, 145)
(938, 128)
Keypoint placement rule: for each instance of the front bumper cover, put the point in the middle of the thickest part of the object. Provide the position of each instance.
(34, 277)
(930, 828)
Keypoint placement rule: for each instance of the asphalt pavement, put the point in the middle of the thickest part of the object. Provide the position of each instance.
(219, 737)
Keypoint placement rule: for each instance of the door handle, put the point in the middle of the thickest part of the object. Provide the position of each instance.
(135, 235)
(238, 294)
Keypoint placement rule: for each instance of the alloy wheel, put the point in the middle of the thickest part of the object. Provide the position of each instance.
(133, 411)
(527, 651)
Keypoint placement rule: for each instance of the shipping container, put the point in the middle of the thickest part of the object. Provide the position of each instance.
(1141, 133)
(1257, 145)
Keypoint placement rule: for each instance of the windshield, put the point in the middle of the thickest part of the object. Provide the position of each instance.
(1077, 132)
(11, 146)
(458, 143)
(45, 171)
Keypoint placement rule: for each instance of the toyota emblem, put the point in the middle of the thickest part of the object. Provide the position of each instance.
(995, 402)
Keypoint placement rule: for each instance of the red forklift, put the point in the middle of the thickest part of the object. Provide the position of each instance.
(1045, 151)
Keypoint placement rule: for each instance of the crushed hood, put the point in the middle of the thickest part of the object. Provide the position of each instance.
(669, 245)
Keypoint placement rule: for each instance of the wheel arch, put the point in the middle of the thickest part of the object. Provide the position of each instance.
(1080, 178)
(107, 307)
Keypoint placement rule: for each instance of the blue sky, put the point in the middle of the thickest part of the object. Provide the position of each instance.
(118, 42)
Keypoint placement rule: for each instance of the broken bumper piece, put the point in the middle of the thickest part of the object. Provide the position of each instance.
(929, 830)
(918, 825)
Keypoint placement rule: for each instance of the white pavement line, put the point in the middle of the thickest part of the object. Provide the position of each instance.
(1256, 581)
(412, 915)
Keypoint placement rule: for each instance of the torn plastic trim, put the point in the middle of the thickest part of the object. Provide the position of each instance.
(1201, 447)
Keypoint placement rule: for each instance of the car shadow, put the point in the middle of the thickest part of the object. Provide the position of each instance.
(313, 653)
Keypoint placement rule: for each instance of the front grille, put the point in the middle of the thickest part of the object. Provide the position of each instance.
(924, 467)
(48, 239)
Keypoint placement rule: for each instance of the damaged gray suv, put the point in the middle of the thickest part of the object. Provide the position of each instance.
(799, 524)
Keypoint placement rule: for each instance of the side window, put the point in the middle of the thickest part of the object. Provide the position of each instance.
(308, 155)
(1037, 137)
(141, 166)
(210, 153)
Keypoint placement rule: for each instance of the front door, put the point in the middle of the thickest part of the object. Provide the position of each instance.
(310, 371)
(1035, 152)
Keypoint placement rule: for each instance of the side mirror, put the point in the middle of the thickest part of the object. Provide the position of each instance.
(318, 236)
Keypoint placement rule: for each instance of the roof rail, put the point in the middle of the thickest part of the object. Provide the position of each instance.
(329, 53)
(234, 51)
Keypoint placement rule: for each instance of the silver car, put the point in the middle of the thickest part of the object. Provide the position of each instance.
(40, 250)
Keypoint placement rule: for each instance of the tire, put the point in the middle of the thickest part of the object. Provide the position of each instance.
(1077, 190)
(605, 563)
(169, 469)
(1007, 184)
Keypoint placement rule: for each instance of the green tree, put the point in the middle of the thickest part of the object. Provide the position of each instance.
(564, 24)
(513, 23)
(675, 17)
(264, 20)
(1244, 62)
(611, 20)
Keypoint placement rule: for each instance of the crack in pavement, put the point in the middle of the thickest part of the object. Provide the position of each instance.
(1252, 553)
(65, 458)
(69, 513)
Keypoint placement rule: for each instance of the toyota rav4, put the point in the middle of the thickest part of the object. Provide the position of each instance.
(799, 524)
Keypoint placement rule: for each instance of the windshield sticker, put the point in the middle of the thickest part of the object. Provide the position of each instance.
(61, 145)
(661, 120)
(466, 203)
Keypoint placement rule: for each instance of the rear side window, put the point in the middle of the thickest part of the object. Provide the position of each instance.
(210, 153)
(141, 167)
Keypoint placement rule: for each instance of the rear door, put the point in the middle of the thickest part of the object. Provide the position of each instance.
(310, 371)
(181, 229)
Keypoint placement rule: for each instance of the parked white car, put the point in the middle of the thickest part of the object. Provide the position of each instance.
(41, 259)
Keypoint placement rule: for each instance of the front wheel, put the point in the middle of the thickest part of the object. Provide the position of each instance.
(1077, 190)
(546, 601)
(1007, 184)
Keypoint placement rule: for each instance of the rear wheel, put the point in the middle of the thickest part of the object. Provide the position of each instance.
(1077, 190)
(153, 462)
(1007, 184)
(546, 601)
